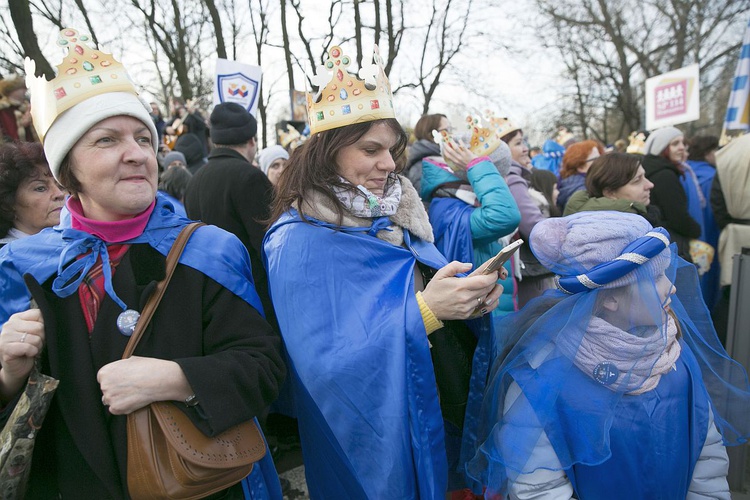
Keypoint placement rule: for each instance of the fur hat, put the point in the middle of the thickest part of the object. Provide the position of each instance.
(72, 124)
(270, 155)
(573, 245)
(231, 124)
(659, 139)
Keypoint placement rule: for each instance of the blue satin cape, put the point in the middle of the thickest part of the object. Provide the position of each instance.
(39, 255)
(365, 390)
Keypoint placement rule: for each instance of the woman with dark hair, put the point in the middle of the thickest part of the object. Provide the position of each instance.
(424, 146)
(30, 198)
(358, 286)
(575, 163)
(664, 153)
(535, 278)
(616, 181)
(173, 184)
(543, 188)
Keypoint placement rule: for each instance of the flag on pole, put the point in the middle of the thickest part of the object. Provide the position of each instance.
(738, 109)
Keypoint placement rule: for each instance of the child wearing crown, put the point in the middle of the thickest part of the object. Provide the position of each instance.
(360, 290)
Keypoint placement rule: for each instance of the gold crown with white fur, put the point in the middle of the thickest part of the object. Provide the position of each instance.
(343, 99)
(83, 73)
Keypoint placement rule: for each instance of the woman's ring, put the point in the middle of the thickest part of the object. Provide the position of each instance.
(479, 300)
(23, 337)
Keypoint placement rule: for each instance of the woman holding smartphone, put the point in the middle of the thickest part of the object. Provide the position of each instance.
(361, 291)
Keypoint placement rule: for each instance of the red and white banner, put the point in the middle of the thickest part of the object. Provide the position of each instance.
(673, 97)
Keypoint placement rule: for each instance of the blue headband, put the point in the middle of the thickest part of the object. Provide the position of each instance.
(635, 254)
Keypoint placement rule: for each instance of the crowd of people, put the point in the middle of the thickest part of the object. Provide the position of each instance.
(342, 280)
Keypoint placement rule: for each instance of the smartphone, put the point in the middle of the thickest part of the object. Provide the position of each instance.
(496, 262)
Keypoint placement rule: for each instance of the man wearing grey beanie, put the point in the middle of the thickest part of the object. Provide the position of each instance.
(231, 193)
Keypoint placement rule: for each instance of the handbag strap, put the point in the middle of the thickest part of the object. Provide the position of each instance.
(148, 310)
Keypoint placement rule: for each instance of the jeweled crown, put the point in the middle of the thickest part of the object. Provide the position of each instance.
(290, 138)
(83, 73)
(343, 99)
(503, 126)
(484, 139)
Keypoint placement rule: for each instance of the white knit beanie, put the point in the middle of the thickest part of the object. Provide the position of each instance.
(575, 244)
(71, 125)
(270, 155)
(659, 139)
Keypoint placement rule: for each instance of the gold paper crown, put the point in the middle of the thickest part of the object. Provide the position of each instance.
(344, 99)
(485, 137)
(503, 126)
(637, 144)
(291, 137)
(83, 73)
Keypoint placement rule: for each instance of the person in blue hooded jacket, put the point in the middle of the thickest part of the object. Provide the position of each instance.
(472, 211)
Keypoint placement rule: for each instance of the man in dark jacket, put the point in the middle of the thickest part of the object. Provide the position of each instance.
(231, 193)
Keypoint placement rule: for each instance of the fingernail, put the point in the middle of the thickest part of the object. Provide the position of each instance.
(484, 311)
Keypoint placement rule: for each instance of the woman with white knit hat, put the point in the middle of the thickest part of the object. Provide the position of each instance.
(665, 151)
(614, 386)
(207, 347)
(272, 162)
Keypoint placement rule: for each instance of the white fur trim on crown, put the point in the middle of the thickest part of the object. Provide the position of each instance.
(71, 125)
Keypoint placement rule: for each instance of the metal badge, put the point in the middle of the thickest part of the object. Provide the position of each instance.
(127, 320)
(606, 373)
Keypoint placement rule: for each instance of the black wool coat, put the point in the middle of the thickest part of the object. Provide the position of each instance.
(228, 352)
(669, 195)
(229, 192)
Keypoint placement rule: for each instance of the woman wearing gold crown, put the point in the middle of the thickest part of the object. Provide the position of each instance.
(359, 289)
(207, 344)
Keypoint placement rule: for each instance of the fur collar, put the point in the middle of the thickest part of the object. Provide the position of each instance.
(410, 215)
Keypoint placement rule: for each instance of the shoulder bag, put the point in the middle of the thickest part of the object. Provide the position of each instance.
(168, 457)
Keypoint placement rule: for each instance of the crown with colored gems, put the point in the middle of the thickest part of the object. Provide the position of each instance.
(503, 126)
(83, 73)
(343, 99)
(485, 137)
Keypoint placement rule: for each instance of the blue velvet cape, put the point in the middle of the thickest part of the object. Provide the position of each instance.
(365, 390)
(39, 255)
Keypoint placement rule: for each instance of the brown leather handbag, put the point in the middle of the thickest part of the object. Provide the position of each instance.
(168, 457)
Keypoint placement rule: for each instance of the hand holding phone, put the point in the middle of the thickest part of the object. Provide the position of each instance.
(496, 262)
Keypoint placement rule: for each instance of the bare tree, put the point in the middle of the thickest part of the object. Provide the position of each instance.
(610, 47)
(176, 30)
(259, 20)
(20, 13)
(446, 34)
(221, 50)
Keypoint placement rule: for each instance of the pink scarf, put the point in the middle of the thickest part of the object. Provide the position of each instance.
(108, 231)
